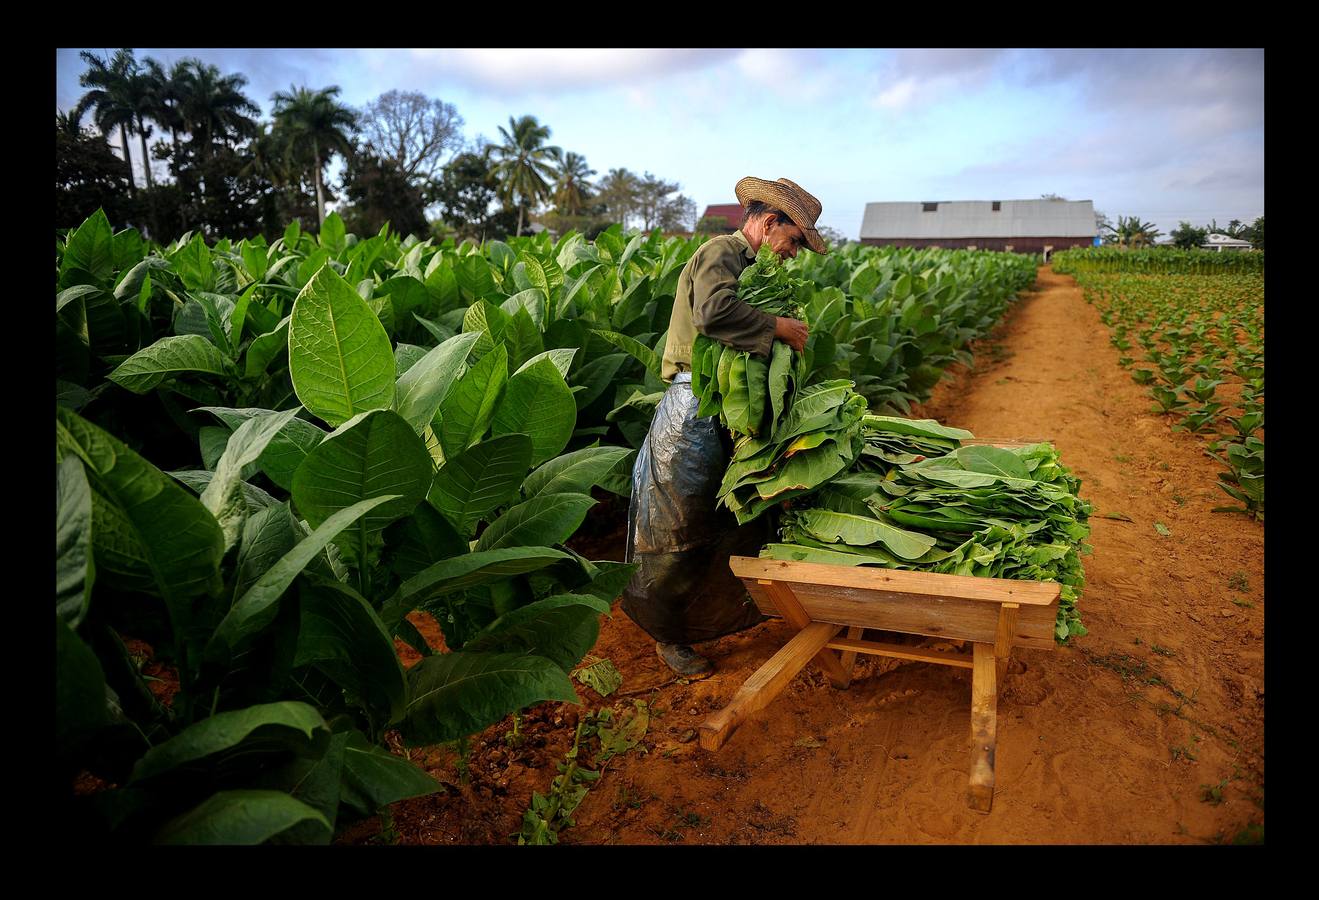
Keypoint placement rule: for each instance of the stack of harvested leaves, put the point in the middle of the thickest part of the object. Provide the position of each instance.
(819, 438)
(973, 510)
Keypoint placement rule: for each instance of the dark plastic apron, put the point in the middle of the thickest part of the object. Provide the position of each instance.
(683, 591)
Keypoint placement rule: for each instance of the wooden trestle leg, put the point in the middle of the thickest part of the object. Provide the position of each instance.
(984, 726)
(766, 684)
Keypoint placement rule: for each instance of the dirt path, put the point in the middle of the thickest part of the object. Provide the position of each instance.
(1150, 729)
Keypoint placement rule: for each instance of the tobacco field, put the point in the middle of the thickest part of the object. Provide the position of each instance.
(268, 456)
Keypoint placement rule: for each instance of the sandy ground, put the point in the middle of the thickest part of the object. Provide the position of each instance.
(1150, 729)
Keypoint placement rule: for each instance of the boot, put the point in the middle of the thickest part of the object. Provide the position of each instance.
(682, 659)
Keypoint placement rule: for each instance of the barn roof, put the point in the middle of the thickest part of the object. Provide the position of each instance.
(730, 211)
(1222, 240)
(977, 219)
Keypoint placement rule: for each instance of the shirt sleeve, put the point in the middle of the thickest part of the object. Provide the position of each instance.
(718, 314)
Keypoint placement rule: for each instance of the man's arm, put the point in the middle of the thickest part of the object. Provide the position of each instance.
(718, 314)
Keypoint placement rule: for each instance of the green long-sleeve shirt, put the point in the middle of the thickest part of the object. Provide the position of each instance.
(707, 303)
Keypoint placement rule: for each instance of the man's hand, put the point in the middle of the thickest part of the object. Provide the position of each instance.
(791, 331)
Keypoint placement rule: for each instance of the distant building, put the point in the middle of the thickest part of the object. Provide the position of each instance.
(731, 212)
(1023, 226)
(1220, 242)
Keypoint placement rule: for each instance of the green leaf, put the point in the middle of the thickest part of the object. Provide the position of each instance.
(540, 404)
(462, 572)
(343, 637)
(544, 520)
(75, 571)
(377, 453)
(286, 450)
(491, 322)
(237, 739)
(533, 301)
(258, 606)
(423, 388)
(1162, 529)
(835, 527)
(373, 778)
(576, 472)
(561, 357)
(918, 427)
(561, 628)
(341, 360)
(597, 376)
(457, 694)
(80, 707)
(240, 817)
(467, 411)
(522, 338)
(421, 539)
(224, 497)
(648, 357)
(265, 347)
(268, 534)
(480, 479)
(148, 532)
(165, 358)
(991, 461)
(332, 234)
(601, 676)
(90, 248)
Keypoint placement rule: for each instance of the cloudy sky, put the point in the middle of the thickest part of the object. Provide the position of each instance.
(1165, 135)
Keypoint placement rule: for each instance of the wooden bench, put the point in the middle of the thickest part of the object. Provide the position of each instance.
(994, 614)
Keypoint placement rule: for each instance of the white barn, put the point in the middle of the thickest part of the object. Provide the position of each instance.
(1024, 226)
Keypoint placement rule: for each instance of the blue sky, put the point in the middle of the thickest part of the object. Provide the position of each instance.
(1165, 135)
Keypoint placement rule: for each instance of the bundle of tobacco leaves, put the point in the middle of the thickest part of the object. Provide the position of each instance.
(973, 510)
(819, 438)
(737, 385)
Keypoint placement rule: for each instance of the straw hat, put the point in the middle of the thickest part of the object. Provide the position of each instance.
(789, 197)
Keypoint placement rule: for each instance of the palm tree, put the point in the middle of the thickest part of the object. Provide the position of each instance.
(524, 163)
(619, 190)
(213, 106)
(315, 121)
(111, 98)
(169, 93)
(571, 189)
(1131, 232)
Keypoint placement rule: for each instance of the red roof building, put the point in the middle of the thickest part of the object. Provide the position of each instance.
(732, 212)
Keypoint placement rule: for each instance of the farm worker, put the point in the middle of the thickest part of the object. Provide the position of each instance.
(683, 591)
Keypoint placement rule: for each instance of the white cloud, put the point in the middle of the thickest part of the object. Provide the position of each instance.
(524, 70)
(802, 76)
(896, 96)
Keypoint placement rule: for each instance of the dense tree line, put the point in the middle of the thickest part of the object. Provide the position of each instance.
(405, 163)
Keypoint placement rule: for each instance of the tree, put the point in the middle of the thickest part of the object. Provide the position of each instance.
(412, 130)
(618, 191)
(572, 189)
(214, 108)
(1103, 225)
(1131, 232)
(88, 176)
(832, 236)
(677, 214)
(1256, 234)
(169, 91)
(111, 97)
(464, 192)
(378, 191)
(314, 121)
(523, 163)
(712, 225)
(1187, 236)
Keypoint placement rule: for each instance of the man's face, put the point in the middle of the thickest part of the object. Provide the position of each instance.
(785, 239)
